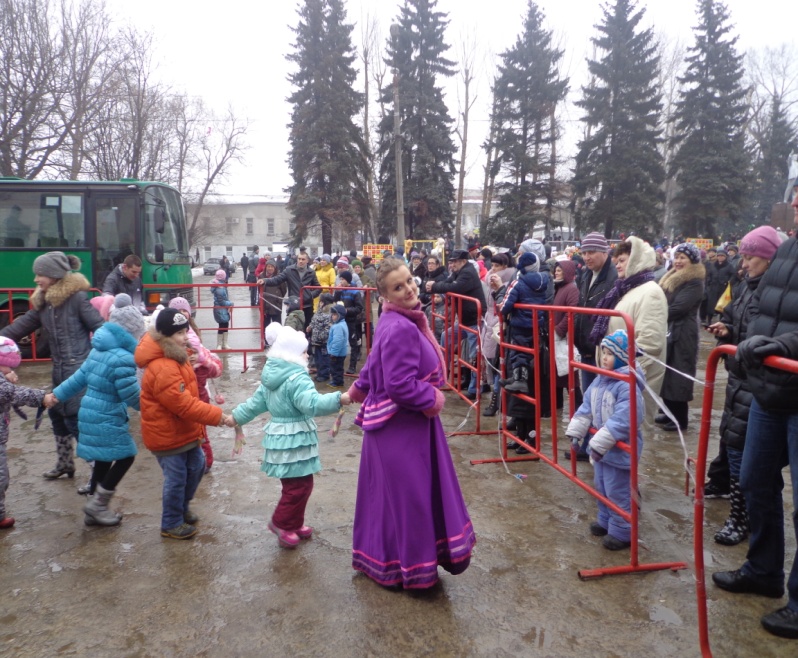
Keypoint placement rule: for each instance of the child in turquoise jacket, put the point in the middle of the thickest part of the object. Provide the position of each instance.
(291, 443)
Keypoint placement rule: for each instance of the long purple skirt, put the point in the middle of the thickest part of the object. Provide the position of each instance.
(410, 515)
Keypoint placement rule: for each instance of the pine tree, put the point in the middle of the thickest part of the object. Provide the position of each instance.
(428, 169)
(771, 167)
(327, 149)
(712, 164)
(527, 90)
(619, 168)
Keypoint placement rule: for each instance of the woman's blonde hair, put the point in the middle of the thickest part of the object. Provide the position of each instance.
(389, 264)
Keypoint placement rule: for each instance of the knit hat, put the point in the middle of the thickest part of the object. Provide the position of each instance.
(326, 258)
(9, 352)
(103, 304)
(346, 275)
(170, 321)
(617, 343)
(595, 242)
(343, 261)
(55, 264)
(689, 250)
(722, 252)
(356, 263)
(127, 316)
(339, 310)
(733, 246)
(181, 304)
(413, 255)
(289, 344)
(326, 298)
(271, 332)
(221, 275)
(528, 262)
(291, 303)
(762, 241)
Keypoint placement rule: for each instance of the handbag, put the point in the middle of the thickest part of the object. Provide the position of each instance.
(725, 299)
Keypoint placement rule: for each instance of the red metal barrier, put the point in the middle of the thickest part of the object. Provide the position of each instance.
(535, 450)
(779, 363)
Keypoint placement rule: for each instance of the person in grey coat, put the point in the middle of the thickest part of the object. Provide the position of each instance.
(60, 305)
(126, 278)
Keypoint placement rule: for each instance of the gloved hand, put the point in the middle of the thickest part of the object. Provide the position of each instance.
(576, 442)
(595, 456)
(751, 352)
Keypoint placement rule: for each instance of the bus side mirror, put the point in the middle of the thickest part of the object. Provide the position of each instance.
(159, 253)
(159, 220)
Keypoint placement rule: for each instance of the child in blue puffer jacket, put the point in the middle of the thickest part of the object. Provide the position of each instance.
(606, 407)
(109, 377)
(337, 344)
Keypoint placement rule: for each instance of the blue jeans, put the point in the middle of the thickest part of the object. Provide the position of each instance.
(471, 339)
(735, 458)
(181, 477)
(771, 442)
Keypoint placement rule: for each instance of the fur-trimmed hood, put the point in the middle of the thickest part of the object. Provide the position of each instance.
(60, 291)
(674, 279)
(643, 256)
(154, 345)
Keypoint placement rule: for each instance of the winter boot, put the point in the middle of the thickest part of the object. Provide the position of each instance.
(65, 464)
(354, 355)
(96, 510)
(220, 341)
(519, 385)
(493, 406)
(224, 340)
(88, 488)
(735, 529)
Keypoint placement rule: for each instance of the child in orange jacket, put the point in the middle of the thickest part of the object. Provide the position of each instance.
(173, 418)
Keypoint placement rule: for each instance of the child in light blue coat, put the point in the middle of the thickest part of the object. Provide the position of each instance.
(606, 407)
(337, 344)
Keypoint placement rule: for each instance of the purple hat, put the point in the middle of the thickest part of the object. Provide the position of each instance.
(762, 241)
(595, 242)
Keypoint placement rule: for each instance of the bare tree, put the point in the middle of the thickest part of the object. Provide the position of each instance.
(468, 53)
(370, 56)
(672, 61)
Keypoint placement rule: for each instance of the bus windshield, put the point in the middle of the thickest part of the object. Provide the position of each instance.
(164, 224)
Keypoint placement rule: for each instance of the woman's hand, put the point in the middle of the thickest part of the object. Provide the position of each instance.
(718, 329)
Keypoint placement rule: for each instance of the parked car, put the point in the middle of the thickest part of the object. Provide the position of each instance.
(211, 265)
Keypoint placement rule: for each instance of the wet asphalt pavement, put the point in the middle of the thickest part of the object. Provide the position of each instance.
(69, 589)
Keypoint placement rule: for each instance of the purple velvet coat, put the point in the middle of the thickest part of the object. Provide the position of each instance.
(410, 515)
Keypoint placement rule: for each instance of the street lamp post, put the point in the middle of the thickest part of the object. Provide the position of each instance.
(397, 136)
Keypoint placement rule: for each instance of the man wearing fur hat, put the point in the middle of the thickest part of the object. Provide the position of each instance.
(61, 306)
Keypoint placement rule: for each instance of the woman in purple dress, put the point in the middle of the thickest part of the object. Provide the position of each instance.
(410, 515)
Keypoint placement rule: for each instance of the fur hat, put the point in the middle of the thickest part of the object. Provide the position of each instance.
(762, 241)
(339, 310)
(55, 264)
(221, 275)
(618, 343)
(346, 275)
(291, 303)
(528, 262)
(689, 250)
(181, 304)
(9, 353)
(289, 345)
(127, 316)
(170, 321)
(595, 242)
(343, 261)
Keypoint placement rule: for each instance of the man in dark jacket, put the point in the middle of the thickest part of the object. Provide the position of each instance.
(244, 265)
(463, 281)
(126, 277)
(296, 277)
(61, 306)
(598, 278)
(771, 440)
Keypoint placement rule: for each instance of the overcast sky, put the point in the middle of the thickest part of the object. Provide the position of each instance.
(233, 52)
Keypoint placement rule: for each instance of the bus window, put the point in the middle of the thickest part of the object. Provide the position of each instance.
(163, 203)
(115, 219)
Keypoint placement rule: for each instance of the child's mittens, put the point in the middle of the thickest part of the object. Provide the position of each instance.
(576, 441)
(595, 456)
(240, 442)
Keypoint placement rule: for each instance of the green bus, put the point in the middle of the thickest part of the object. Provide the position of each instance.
(100, 222)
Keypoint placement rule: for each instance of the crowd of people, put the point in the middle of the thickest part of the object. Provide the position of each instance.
(410, 516)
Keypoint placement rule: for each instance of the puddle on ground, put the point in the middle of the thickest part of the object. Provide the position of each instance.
(661, 613)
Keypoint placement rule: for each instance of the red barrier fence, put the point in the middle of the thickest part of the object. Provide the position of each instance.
(535, 450)
(778, 363)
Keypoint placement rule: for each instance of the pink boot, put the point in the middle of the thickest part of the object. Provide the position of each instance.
(305, 532)
(284, 538)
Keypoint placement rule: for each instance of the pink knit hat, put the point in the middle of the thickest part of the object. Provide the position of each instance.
(343, 261)
(181, 304)
(762, 241)
(103, 304)
(9, 353)
(221, 275)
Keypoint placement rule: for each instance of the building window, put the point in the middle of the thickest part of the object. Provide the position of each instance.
(250, 229)
(270, 226)
(228, 225)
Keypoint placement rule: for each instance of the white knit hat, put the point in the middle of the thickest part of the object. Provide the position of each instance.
(290, 345)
